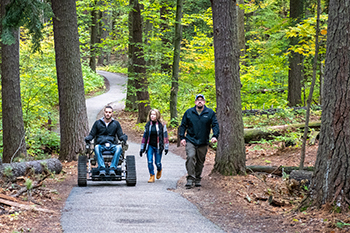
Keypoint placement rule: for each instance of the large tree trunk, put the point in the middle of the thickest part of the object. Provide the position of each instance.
(331, 183)
(12, 115)
(73, 116)
(176, 62)
(230, 156)
(93, 36)
(295, 59)
(130, 103)
(140, 66)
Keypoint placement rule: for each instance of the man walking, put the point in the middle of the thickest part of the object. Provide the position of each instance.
(197, 121)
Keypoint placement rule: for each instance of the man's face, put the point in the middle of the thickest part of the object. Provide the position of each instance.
(108, 113)
(199, 102)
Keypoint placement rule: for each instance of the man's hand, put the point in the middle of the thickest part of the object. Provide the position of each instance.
(183, 142)
(213, 140)
(141, 152)
(166, 152)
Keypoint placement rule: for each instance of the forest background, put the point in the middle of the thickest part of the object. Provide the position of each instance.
(264, 66)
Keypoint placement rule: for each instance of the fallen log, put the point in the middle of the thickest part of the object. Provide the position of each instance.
(274, 169)
(24, 206)
(19, 169)
(302, 176)
(269, 132)
(10, 198)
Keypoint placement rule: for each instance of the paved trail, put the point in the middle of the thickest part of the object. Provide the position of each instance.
(115, 207)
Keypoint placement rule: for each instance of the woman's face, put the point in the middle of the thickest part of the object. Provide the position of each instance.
(153, 116)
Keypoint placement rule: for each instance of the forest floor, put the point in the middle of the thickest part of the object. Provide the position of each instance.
(234, 203)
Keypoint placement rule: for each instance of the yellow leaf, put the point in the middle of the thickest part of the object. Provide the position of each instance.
(323, 32)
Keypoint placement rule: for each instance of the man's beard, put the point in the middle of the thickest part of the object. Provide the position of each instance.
(199, 107)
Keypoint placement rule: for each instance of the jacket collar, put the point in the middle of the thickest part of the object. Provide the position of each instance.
(205, 109)
(102, 119)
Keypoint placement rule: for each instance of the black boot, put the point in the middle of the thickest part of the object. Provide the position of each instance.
(189, 184)
(197, 182)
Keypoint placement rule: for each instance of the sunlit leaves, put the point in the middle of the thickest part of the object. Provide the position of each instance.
(306, 32)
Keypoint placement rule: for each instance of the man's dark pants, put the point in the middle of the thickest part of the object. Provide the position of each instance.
(195, 160)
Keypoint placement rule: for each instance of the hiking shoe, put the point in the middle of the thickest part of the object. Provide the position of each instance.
(189, 184)
(197, 183)
(159, 174)
(151, 179)
(112, 172)
(102, 173)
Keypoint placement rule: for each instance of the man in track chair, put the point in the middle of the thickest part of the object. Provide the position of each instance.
(104, 132)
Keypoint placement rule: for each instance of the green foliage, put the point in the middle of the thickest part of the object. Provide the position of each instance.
(305, 31)
(27, 13)
(42, 142)
(39, 95)
(29, 184)
(8, 172)
(342, 224)
(118, 36)
(113, 68)
(265, 65)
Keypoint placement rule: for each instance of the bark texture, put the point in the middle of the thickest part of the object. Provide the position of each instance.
(93, 36)
(295, 59)
(20, 169)
(12, 115)
(230, 157)
(73, 116)
(240, 26)
(176, 61)
(105, 29)
(130, 103)
(165, 37)
(331, 182)
(139, 66)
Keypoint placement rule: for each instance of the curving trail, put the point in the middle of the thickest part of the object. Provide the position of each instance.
(115, 207)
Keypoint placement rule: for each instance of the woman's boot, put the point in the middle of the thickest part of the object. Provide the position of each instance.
(159, 174)
(151, 179)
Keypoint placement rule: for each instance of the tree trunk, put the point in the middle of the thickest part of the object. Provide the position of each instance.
(93, 38)
(176, 63)
(12, 115)
(331, 183)
(130, 103)
(240, 29)
(295, 59)
(309, 99)
(72, 108)
(230, 155)
(20, 169)
(139, 66)
(105, 29)
(164, 27)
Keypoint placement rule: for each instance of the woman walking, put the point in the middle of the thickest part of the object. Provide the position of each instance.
(154, 141)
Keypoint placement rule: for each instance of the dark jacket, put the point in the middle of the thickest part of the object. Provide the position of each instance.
(198, 126)
(103, 134)
(162, 137)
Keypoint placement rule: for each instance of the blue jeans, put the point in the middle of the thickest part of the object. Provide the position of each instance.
(114, 149)
(158, 157)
